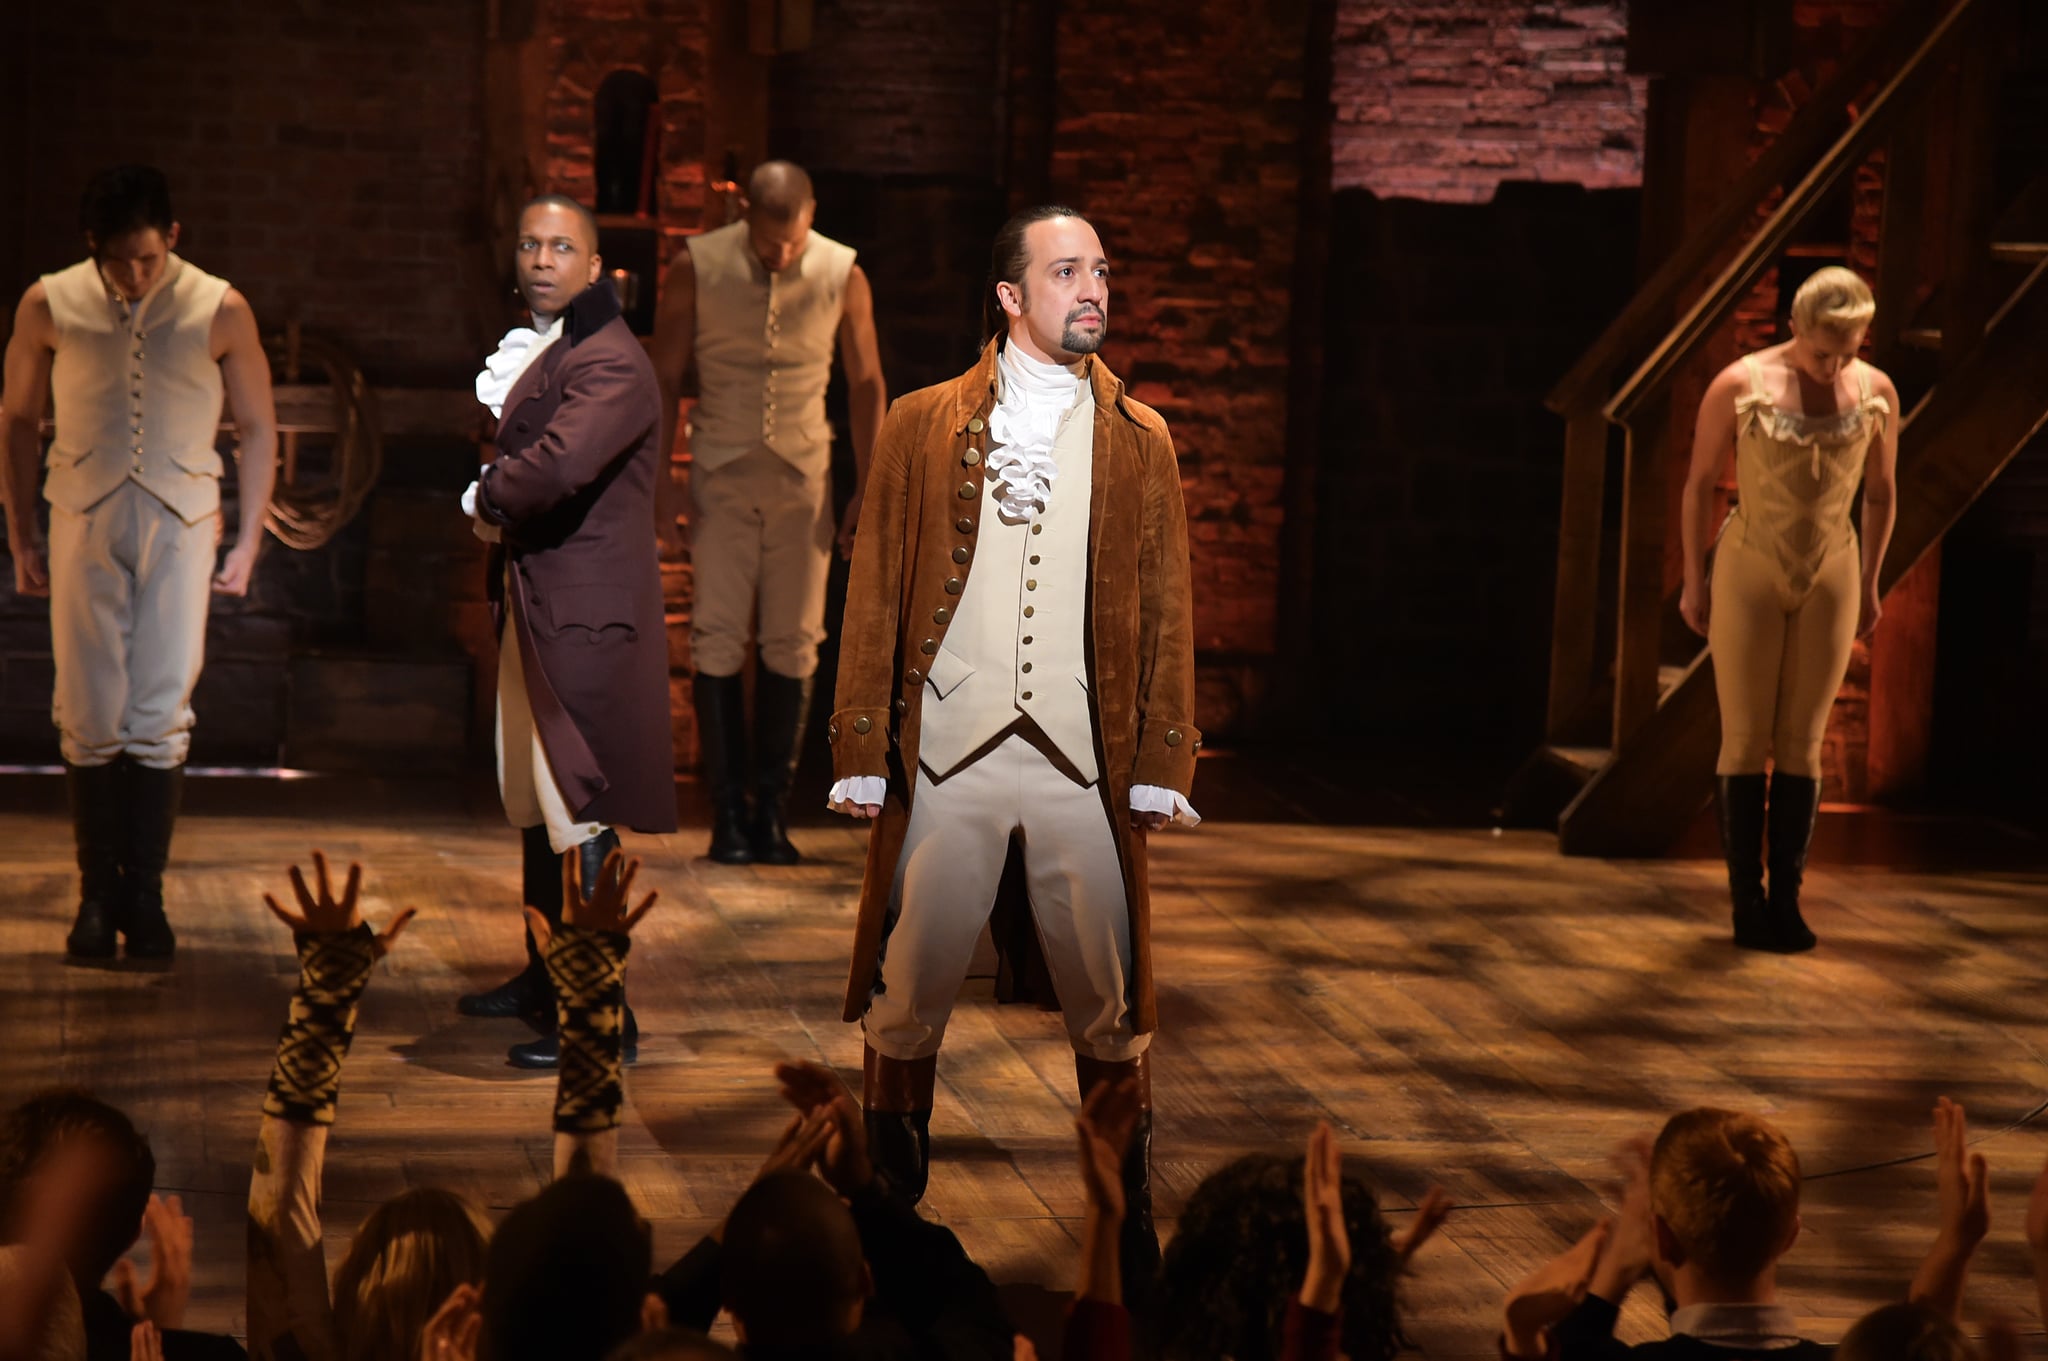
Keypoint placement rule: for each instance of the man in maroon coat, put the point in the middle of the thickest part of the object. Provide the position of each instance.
(583, 715)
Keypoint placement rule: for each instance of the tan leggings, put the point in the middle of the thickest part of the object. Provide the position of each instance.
(1779, 657)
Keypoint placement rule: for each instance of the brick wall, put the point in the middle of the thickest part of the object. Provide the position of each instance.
(1445, 99)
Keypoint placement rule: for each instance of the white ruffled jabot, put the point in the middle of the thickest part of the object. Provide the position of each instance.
(1022, 428)
(520, 347)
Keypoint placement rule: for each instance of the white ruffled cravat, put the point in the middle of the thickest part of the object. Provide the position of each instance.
(520, 347)
(1022, 428)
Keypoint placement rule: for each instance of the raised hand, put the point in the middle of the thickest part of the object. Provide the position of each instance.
(1631, 1249)
(1103, 1132)
(1429, 1217)
(160, 1297)
(803, 1139)
(1322, 1203)
(844, 1160)
(1961, 1179)
(605, 909)
(323, 914)
(453, 1332)
(145, 1343)
(1547, 1296)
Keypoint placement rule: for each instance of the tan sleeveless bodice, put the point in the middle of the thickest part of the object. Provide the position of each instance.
(1796, 475)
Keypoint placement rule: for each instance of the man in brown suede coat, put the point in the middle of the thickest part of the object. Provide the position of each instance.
(1016, 664)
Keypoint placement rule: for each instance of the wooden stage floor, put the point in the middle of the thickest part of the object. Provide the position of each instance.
(1464, 1006)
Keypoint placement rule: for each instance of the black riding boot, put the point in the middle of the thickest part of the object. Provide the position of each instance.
(526, 992)
(1795, 807)
(721, 703)
(782, 704)
(95, 793)
(896, 1109)
(546, 1051)
(1739, 804)
(151, 810)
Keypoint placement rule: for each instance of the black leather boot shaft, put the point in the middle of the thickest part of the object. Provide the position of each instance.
(526, 992)
(1739, 809)
(721, 705)
(150, 811)
(782, 708)
(95, 797)
(1795, 808)
(900, 1146)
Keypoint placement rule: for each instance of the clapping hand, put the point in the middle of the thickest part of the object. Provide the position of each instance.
(1963, 1207)
(160, 1297)
(454, 1330)
(813, 1090)
(1547, 1296)
(323, 914)
(1631, 1249)
(604, 910)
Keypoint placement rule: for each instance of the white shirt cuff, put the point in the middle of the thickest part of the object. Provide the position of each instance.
(487, 532)
(858, 791)
(1151, 798)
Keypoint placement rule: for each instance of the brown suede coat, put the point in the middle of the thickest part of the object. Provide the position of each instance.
(924, 501)
(572, 489)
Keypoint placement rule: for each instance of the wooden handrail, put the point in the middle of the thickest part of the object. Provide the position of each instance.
(1847, 152)
(1812, 130)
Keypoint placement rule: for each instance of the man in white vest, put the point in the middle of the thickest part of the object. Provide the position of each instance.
(760, 307)
(135, 349)
(1016, 667)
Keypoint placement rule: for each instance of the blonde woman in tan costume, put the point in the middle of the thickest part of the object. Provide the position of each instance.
(1791, 585)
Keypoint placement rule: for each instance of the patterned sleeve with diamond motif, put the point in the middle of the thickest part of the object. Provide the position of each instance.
(305, 1080)
(588, 969)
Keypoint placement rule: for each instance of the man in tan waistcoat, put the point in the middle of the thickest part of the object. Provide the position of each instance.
(1016, 664)
(760, 307)
(136, 348)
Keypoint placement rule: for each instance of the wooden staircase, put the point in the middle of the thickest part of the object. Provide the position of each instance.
(1631, 739)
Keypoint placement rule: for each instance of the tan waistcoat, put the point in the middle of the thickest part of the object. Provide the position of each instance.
(764, 348)
(136, 389)
(1019, 644)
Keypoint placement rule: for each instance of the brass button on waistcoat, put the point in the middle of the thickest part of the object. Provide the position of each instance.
(1025, 695)
(1031, 585)
(961, 555)
(953, 585)
(928, 646)
(966, 491)
(1027, 666)
(941, 615)
(976, 425)
(1029, 611)
(862, 724)
(1038, 529)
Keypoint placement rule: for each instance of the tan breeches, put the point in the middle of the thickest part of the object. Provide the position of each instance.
(1779, 657)
(760, 533)
(526, 782)
(946, 879)
(130, 584)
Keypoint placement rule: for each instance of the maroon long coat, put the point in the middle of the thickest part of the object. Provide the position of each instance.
(572, 489)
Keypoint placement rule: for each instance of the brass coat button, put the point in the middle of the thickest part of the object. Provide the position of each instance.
(902, 706)
(964, 525)
(862, 724)
(961, 555)
(1173, 737)
(941, 615)
(953, 585)
(913, 675)
(971, 457)
(975, 425)
(928, 646)
(966, 491)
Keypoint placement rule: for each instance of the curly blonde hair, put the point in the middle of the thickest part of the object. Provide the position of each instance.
(1833, 299)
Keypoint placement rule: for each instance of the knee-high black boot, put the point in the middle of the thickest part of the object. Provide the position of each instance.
(1739, 804)
(721, 704)
(546, 1051)
(1795, 808)
(95, 795)
(896, 1110)
(151, 809)
(526, 992)
(782, 704)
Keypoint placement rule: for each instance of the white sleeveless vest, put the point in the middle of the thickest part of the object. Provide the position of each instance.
(136, 390)
(764, 348)
(1018, 645)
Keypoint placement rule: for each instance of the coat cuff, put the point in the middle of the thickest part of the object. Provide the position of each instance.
(1166, 755)
(860, 742)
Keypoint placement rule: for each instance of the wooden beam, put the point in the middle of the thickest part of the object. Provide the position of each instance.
(1966, 304)
(1902, 236)
(1638, 643)
(1574, 621)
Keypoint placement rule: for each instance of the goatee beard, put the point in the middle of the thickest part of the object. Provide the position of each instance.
(1076, 341)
